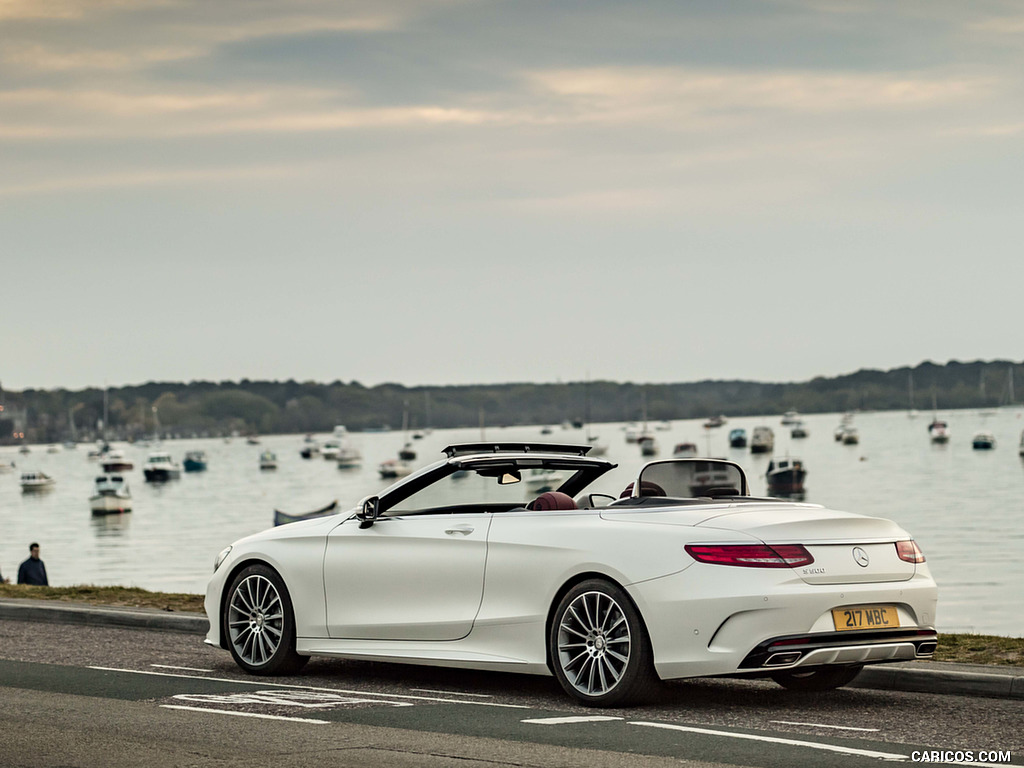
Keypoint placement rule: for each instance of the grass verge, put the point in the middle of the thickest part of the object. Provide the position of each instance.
(962, 649)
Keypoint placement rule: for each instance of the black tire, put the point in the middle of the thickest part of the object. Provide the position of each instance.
(259, 623)
(599, 648)
(820, 679)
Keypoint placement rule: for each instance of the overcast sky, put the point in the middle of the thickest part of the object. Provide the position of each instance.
(477, 191)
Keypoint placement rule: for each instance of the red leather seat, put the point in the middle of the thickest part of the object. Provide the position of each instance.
(552, 500)
(647, 488)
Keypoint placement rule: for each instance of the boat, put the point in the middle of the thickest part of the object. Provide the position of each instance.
(24, 449)
(114, 460)
(738, 438)
(684, 451)
(983, 441)
(309, 451)
(851, 436)
(1020, 450)
(34, 482)
(714, 421)
(112, 495)
(539, 481)
(786, 477)
(407, 453)
(53, 448)
(648, 445)
(195, 461)
(281, 518)
(632, 433)
(938, 431)
(6, 466)
(789, 418)
(160, 467)
(252, 440)
(268, 459)
(393, 468)
(762, 440)
(329, 450)
(798, 430)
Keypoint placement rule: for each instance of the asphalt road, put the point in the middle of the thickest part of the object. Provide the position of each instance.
(74, 695)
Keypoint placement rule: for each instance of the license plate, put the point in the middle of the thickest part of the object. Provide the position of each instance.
(866, 617)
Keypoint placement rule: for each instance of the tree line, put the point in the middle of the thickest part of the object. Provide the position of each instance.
(205, 408)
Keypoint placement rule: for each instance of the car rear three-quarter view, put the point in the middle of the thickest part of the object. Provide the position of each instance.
(500, 557)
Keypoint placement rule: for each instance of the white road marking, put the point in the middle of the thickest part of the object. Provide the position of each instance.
(187, 669)
(454, 693)
(307, 699)
(247, 714)
(575, 719)
(265, 683)
(822, 725)
(776, 740)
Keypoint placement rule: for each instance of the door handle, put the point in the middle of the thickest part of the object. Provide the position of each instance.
(465, 530)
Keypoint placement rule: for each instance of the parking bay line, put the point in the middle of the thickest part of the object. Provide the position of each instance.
(571, 719)
(267, 684)
(822, 725)
(187, 669)
(246, 714)
(777, 740)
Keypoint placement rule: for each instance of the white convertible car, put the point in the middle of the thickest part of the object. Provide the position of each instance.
(471, 562)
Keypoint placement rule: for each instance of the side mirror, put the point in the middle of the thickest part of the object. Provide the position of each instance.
(368, 514)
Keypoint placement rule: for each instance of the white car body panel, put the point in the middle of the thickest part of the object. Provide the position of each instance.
(430, 589)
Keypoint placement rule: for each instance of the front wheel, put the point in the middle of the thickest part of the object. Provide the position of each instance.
(821, 679)
(599, 648)
(259, 623)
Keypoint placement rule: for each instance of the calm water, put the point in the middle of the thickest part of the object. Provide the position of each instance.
(963, 506)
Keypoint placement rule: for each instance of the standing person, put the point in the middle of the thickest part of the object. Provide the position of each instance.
(33, 570)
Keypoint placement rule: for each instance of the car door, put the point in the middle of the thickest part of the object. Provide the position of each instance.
(414, 577)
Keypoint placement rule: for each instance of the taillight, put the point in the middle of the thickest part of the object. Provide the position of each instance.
(909, 551)
(751, 555)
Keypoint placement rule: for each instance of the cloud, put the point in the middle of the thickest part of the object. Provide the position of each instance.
(639, 92)
(152, 178)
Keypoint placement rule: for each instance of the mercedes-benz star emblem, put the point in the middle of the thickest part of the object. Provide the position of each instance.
(861, 557)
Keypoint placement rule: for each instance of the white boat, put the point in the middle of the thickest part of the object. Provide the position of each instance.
(112, 496)
(632, 433)
(268, 459)
(329, 450)
(159, 467)
(543, 480)
(762, 440)
(33, 482)
(983, 441)
(789, 418)
(393, 468)
(851, 436)
(938, 431)
(115, 461)
(684, 451)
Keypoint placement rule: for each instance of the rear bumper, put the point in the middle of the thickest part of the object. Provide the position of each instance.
(825, 648)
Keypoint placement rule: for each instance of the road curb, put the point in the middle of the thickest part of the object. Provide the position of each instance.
(137, 618)
(915, 677)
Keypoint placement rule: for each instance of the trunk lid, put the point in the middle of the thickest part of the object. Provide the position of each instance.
(847, 548)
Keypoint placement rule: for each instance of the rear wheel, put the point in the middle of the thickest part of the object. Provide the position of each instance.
(600, 651)
(821, 679)
(259, 623)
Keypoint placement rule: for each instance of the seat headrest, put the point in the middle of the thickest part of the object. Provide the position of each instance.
(647, 488)
(552, 500)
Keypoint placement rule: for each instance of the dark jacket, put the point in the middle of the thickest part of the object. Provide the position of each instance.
(32, 571)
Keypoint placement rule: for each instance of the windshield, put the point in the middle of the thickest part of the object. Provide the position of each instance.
(466, 487)
(694, 477)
